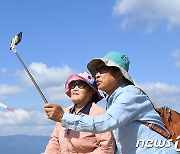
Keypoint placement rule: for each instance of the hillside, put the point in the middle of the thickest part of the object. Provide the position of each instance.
(23, 144)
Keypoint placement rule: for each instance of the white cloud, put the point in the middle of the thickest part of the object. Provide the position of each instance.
(56, 94)
(148, 14)
(7, 90)
(51, 80)
(45, 76)
(176, 55)
(163, 94)
(25, 122)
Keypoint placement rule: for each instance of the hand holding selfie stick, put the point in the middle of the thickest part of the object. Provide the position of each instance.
(16, 39)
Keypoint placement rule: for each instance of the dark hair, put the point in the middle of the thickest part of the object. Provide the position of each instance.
(95, 98)
(114, 69)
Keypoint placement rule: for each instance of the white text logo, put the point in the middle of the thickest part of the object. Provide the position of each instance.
(157, 143)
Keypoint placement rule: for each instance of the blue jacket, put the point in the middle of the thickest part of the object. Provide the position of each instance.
(124, 107)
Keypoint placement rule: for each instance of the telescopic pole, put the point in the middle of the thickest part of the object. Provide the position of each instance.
(13, 44)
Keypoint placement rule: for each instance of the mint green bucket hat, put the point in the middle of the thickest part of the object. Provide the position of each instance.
(115, 59)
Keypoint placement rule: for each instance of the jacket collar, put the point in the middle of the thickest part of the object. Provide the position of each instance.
(84, 110)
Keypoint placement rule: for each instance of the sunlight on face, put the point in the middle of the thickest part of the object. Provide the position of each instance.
(79, 95)
(106, 80)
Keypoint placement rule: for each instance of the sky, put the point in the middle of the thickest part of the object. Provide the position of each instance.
(61, 37)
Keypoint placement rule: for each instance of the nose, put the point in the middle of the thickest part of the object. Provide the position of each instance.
(76, 87)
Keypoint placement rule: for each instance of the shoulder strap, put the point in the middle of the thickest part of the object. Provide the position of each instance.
(157, 129)
(152, 126)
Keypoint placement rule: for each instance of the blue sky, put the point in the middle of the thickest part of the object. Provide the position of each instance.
(61, 37)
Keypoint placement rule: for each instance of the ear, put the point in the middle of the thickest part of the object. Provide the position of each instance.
(119, 75)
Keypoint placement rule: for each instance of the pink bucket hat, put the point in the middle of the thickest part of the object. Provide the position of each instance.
(86, 77)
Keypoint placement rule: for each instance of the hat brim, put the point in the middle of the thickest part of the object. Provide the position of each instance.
(93, 64)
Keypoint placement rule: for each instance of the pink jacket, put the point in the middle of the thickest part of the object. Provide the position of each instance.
(65, 141)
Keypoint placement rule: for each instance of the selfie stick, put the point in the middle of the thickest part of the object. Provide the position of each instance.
(16, 39)
(6, 107)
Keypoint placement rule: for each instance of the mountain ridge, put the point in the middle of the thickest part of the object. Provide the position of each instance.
(23, 144)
